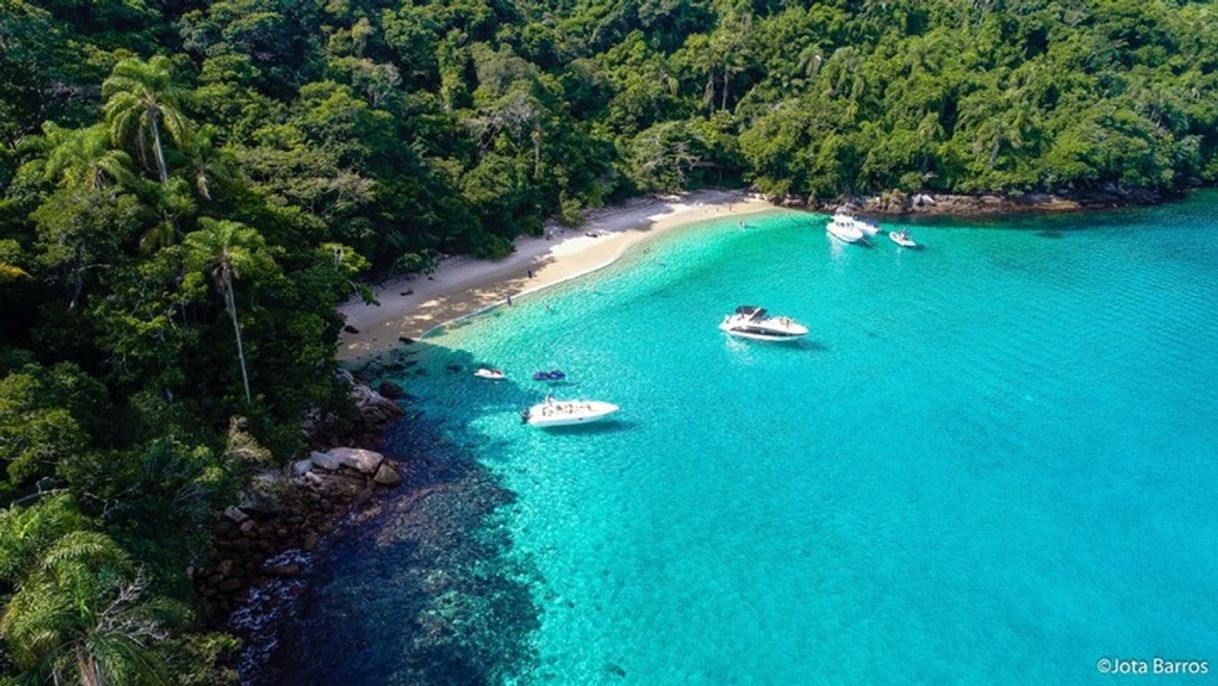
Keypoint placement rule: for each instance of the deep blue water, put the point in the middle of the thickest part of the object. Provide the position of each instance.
(993, 461)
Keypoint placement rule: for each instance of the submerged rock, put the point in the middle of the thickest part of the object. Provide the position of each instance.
(281, 570)
(389, 389)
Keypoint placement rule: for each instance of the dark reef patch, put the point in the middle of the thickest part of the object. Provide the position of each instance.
(426, 593)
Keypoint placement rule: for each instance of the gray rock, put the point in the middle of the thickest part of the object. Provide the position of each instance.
(300, 467)
(386, 475)
(326, 460)
(363, 461)
(235, 514)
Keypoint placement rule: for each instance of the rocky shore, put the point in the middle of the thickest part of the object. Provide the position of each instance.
(294, 508)
(897, 203)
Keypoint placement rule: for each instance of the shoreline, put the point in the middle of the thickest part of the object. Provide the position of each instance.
(896, 204)
(462, 287)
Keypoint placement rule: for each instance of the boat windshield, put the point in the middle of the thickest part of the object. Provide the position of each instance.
(754, 313)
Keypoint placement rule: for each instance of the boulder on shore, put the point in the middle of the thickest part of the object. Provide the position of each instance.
(373, 406)
(235, 514)
(363, 461)
(386, 475)
(299, 467)
(325, 460)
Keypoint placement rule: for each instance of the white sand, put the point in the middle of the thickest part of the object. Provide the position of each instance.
(462, 286)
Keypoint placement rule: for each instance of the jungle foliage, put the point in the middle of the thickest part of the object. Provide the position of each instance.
(187, 188)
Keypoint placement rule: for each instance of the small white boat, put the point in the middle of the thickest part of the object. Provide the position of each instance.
(903, 239)
(846, 228)
(567, 412)
(492, 374)
(755, 323)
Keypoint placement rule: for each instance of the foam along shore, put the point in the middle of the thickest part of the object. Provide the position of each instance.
(462, 286)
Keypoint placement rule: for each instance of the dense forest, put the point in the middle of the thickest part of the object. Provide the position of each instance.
(187, 189)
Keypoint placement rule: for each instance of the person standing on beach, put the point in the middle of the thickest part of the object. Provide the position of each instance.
(509, 301)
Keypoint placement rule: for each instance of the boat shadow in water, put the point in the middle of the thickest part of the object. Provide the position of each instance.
(811, 346)
(601, 427)
(555, 383)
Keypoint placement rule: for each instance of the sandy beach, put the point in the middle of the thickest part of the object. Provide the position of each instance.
(462, 286)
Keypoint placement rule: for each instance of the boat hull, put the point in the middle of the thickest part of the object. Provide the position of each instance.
(845, 235)
(765, 337)
(761, 336)
(585, 412)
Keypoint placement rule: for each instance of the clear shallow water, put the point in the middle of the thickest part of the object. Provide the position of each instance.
(993, 462)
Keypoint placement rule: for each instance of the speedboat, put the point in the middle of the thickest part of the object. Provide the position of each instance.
(846, 228)
(903, 239)
(567, 412)
(488, 373)
(552, 375)
(755, 323)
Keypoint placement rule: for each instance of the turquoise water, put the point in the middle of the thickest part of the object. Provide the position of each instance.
(993, 462)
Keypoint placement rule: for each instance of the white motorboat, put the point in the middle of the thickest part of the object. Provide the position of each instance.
(866, 227)
(846, 228)
(755, 323)
(567, 412)
(903, 239)
(492, 374)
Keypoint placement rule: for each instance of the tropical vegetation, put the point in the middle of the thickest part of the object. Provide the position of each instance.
(188, 187)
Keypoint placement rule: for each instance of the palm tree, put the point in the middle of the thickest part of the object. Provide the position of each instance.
(141, 98)
(27, 532)
(82, 616)
(225, 249)
(10, 253)
(207, 161)
(11, 272)
(84, 158)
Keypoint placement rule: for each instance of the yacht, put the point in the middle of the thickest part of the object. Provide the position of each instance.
(492, 374)
(866, 227)
(846, 228)
(903, 239)
(755, 323)
(567, 412)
